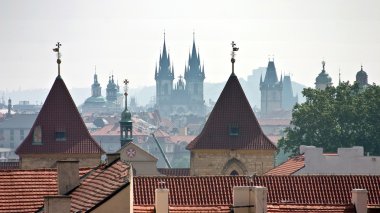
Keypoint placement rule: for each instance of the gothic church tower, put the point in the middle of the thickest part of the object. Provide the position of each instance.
(271, 92)
(164, 77)
(194, 76)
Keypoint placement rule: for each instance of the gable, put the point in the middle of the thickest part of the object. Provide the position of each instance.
(131, 152)
(59, 127)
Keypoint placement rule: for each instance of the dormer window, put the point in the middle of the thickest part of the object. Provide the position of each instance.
(37, 135)
(233, 130)
(60, 136)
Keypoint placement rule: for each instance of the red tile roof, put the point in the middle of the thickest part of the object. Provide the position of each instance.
(174, 171)
(98, 185)
(217, 190)
(289, 167)
(59, 113)
(232, 108)
(24, 190)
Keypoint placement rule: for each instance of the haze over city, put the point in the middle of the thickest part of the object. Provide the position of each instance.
(124, 38)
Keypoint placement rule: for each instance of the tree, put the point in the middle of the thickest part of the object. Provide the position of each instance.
(342, 116)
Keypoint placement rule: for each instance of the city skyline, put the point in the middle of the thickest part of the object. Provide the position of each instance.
(125, 38)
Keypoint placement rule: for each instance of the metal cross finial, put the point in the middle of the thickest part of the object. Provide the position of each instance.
(58, 45)
(234, 49)
(126, 82)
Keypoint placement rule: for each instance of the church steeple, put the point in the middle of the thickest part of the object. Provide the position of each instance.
(126, 120)
(96, 89)
(165, 70)
(194, 70)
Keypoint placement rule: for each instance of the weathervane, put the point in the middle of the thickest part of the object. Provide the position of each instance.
(58, 45)
(323, 65)
(233, 54)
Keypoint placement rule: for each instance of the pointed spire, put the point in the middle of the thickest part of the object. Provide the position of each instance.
(126, 119)
(339, 77)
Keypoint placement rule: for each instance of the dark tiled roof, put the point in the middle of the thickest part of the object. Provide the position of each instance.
(289, 167)
(98, 185)
(217, 190)
(24, 190)
(59, 113)
(175, 171)
(9, 165)
(232, 109)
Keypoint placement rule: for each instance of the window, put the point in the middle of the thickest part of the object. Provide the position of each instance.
(12, 135)
(37, 135)
(233, 130)
(60, 136)
(234, 173)
(22, 136)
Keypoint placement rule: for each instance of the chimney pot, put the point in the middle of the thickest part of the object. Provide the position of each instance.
(162, 201)
(67, 175)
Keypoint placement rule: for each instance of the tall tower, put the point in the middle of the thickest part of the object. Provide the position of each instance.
(164, 77)
(271, 91)
(126, 120)
(194, 77)
(288, 100)
(111, 90)
(323, 80)
(96, 89)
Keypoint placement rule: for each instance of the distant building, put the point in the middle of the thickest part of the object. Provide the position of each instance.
(13, 131)
(112, 103)
(362, 78)
(323, 80)
(312, 161)
(277, 99)
(186, 96)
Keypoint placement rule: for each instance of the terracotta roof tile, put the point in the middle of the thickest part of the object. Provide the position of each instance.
(289, 167)
(217, 190)
(98, 185)
(232, 108)
(24, 190)
(174, 171)
(59, 113)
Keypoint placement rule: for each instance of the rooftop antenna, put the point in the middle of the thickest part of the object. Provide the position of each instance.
(233, 54)
(58, 45)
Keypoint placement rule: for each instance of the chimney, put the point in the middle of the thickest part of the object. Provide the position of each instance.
(111, 157)
(67, 175)
(249, 199)
(360, 199)
(162, 201)
(57, 204)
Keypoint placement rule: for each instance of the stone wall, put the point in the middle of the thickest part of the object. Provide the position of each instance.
(223, 162)
(35, 161)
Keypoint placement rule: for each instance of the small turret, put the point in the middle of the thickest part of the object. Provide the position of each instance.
(9, 113)
(323, 80)
(126, 120)
(362, 78)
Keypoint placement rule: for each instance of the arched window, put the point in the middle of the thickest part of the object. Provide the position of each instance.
(234, 173)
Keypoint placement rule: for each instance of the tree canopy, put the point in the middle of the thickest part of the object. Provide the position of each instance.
(342, 116)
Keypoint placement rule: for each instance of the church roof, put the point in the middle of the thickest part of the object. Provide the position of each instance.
(59, 114)
(232, 110)
(271, 75)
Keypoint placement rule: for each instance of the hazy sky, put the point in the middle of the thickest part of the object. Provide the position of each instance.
(125, 38)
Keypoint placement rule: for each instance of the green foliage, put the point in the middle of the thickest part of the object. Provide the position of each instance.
(342, 116)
